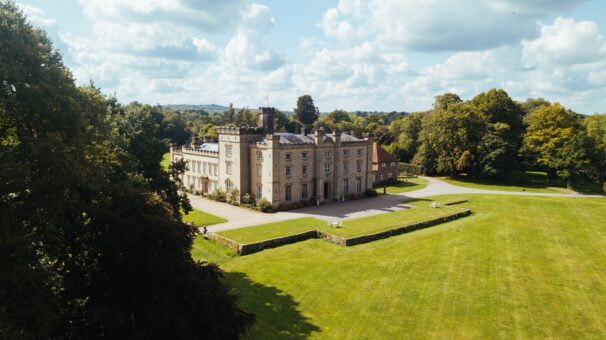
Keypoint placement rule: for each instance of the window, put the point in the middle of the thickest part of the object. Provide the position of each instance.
(288, 156)
(228, 150)
(327, 168)
(259, 170)
(288, 171)
(304, 155)
(259, 155)
(303, 191)
(345, 152)
(216, 167)
(359, 152)
(380, 177)
(358, 185)
(346, 186)
(304, 170)
(228, 168)
(288, 192)
(345, 167)
(383, 165)
(359, 166)
(259, 191)
(393, 163)
(389, 175)
(204, 167)
(228, 185)
(199, 167)
(327, 155)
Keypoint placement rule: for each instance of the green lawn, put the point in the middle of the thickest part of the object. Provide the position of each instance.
(518, 267)
(529, 181)
(350, 228)
(165, 161)
(201, 218)
(407, 184)
(273, 230)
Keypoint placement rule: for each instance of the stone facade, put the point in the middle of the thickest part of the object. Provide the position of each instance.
(283, 168)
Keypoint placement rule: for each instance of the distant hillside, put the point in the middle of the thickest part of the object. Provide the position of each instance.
(205, 107)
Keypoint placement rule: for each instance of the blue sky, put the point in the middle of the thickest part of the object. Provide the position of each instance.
(350, 54)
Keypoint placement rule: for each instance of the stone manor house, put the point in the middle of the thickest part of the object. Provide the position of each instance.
(281, 167)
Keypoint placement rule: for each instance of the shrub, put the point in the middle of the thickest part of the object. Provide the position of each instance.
(264, 205)
(233, 197)
(604, 187)
(370, 193)
(247, 199)
(218, 195)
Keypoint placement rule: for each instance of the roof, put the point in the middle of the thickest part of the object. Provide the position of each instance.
(292, 138)
(379, 155)
(344, 137)
(213, 147)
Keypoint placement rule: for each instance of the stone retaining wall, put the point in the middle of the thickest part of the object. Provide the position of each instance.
(404, 229)
(249, 248)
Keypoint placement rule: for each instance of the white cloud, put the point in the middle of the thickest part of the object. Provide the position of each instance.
(168, 52)
(37, 16)
(566, 42)
(441, 25)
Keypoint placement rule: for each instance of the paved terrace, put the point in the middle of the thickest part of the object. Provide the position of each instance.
(241, 217)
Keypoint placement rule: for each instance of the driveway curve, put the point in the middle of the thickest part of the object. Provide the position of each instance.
(238, 217)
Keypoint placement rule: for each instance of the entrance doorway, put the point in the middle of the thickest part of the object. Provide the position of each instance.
(325, 190)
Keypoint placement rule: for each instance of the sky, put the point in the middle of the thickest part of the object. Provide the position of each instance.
(373, 55)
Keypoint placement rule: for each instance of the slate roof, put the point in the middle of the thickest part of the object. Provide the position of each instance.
(293, 138)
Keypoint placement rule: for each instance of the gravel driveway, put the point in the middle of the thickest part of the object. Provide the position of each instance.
(241, 217)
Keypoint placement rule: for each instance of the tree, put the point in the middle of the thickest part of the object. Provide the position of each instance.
(532, 104)
(500, 145)
(449, 140)
(92, 238)
(442, 102)
(406, 131)
(549, 129)
(577, 158)
(306, 113)
(284, 122)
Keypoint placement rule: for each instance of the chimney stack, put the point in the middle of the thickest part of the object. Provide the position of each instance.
(303, 130)
(266, 119)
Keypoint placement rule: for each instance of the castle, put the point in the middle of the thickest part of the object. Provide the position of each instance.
(281, 167)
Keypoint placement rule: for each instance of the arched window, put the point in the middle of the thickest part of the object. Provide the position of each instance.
(228, 185)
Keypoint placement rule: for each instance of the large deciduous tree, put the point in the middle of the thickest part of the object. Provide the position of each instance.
(449, 140)
(306, 113)
(91, 239)
(499, 146)
(549, 129)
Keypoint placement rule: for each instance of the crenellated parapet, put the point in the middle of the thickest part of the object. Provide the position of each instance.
(239, 130)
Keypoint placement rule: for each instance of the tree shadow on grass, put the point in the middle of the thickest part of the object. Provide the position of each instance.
(277, 314)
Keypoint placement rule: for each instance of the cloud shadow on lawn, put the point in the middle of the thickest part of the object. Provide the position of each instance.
(277, 314)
